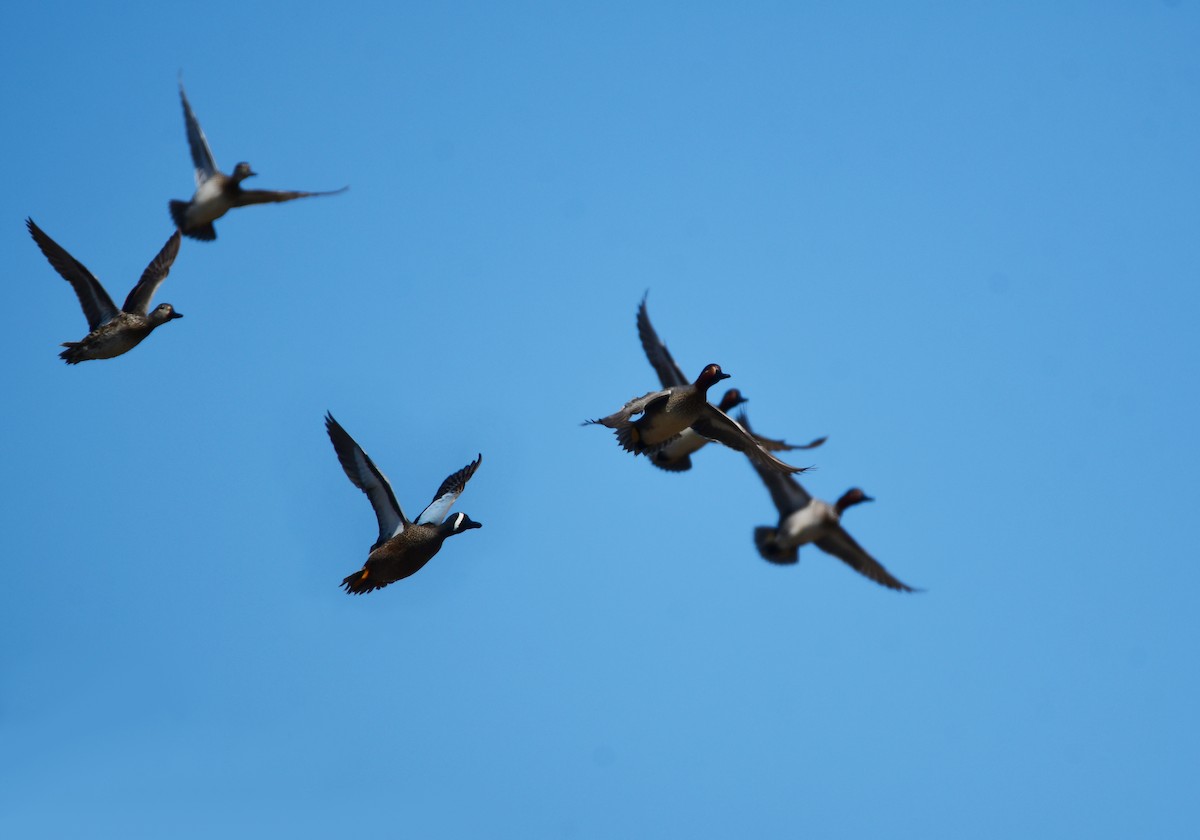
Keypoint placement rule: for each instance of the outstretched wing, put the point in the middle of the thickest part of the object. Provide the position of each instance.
(139, 299)
(98, 307)
(668, 372)
(719, 426)
(842, 546)
(619, 419)
(202, 156)
(446, 495)
(786, 492)
(773, 445)
(363, 473)
(246, 197)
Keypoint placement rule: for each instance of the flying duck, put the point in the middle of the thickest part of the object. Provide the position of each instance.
(403, 546)
(112, 331)
(218, 193)
(666, 414)
(804, 519)
(676, 455)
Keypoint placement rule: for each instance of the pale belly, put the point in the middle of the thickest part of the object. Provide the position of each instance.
(666, 423)
(207, 205)
(686, 444)
(807, 524)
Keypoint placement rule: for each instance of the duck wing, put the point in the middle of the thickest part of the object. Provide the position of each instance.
(139, 298)
(786, 492)
(669, 373)
(247, 197)
(98, 307)
(719, 426)
(772, 445)
(202, 156)
(653, 401)
(842, 546)
(364, 475)
(448, 493)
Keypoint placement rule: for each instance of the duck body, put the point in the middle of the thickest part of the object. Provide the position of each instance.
(214, 197)
(661, 415)
(805, 525)
(405, 554)
(676, 455)
(120, 335)
(666, 415)
(113, 331)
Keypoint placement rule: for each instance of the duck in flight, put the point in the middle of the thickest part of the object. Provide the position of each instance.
(804, 519)
(218, 193)
(403, 546)
(112, 331)
(676, 455)
(662, 416)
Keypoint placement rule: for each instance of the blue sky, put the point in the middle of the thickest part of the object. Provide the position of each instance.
(959, 241)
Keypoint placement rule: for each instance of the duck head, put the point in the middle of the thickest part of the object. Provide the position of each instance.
(851, 497)
(732, 399)
(162, 313)
(711, 375)
(242, 171)
(458, 523)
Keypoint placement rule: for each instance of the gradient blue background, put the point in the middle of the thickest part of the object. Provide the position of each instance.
(963, 242)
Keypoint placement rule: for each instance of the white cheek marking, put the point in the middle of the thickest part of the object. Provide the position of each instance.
(458, 520)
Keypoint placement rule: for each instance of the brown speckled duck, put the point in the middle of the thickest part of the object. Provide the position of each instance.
(403, 546)
(112, 331)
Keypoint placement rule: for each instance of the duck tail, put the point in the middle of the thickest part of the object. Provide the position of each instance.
(358, 583)
(205, 233)
(659, 459)
(766, 540)
(178, 212)
(629, 439)
(72, 355)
